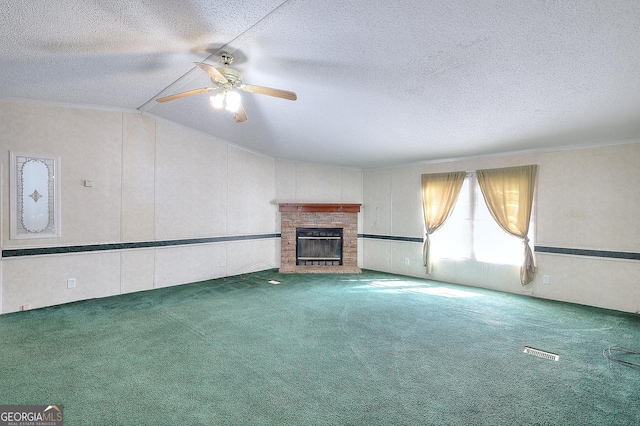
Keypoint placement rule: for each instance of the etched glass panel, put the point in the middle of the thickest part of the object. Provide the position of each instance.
(34, 196)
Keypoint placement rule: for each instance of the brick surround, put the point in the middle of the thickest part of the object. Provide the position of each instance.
(343, 216)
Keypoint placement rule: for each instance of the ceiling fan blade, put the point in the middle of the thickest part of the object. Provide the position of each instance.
(240, 115)
(185, 94)
(277, 93)
(213, 72)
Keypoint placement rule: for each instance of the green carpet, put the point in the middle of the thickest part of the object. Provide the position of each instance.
(362, 349)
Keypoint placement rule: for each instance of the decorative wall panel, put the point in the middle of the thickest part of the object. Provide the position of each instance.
(35, 196)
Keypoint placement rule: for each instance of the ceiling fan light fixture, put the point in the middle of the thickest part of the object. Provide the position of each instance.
(225, 79)
(233, 100)
(217, 100)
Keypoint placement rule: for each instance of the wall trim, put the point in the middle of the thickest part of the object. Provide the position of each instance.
(392, 238)
(38, 251)
(587, 252)
(610, 254)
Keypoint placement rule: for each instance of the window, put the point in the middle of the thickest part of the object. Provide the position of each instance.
(472, 233)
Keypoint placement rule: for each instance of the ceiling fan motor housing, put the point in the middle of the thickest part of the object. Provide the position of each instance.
(233, 76)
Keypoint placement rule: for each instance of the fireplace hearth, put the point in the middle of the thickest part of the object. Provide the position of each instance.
(319, 238)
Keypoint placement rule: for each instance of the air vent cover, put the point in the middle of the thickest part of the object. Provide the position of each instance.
(541, 354)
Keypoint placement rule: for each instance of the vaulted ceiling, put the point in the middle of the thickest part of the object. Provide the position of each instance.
(379, 83)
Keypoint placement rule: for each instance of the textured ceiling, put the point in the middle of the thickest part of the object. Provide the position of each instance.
(379, 83)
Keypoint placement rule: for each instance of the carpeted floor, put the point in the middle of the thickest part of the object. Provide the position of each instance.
(365, 349)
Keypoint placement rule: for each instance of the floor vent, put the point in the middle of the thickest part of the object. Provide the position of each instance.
(541, 354)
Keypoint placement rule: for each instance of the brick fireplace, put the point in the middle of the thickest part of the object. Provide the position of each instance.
(296, 216)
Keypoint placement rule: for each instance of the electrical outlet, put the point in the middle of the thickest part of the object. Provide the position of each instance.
(546, 279)
(25, 307)
(407, 261)
(71, 283)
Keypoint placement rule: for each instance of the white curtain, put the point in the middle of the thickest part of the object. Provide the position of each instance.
(508, 193)
(439, 195)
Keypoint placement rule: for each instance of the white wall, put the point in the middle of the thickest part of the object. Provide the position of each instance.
(156, 181)
(589, 199)
(312, 183)
(152, 181)
(586, 199)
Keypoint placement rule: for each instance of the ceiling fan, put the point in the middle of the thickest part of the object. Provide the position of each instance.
(226, 79)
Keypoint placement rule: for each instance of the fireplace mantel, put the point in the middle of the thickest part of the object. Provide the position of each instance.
(319, 208)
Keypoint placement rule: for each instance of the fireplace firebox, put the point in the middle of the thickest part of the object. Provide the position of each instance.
(319, 246)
